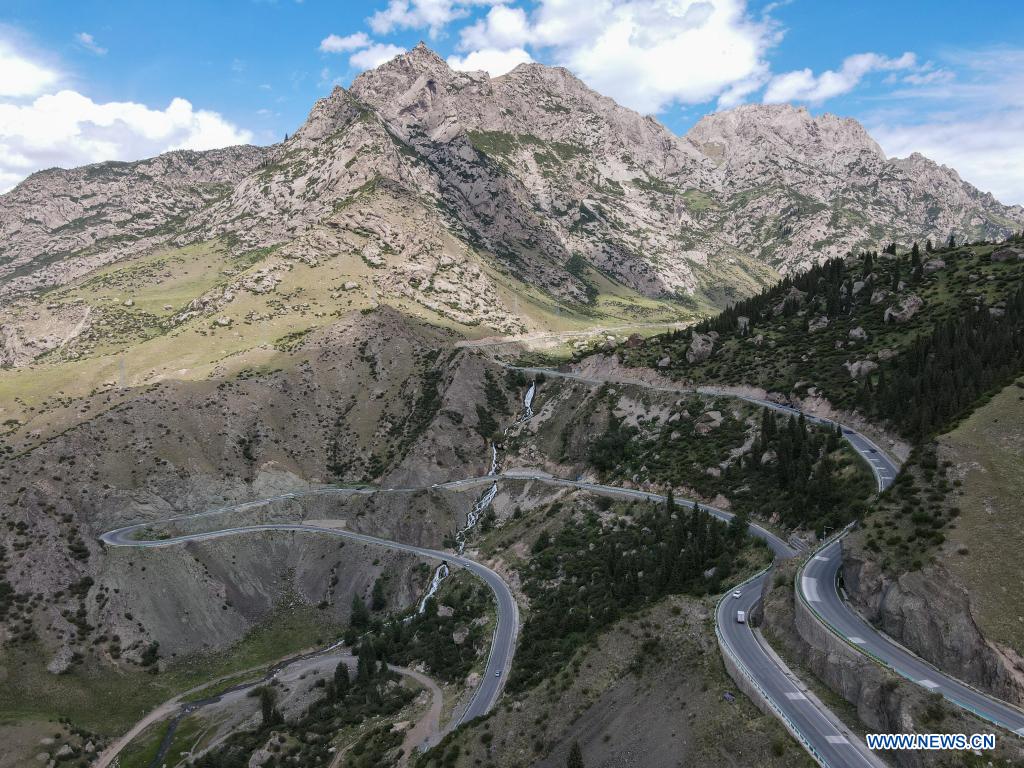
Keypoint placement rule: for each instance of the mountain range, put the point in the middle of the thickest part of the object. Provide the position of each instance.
(454, 195)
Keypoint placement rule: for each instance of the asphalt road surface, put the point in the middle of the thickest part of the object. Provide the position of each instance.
(821, 732)
(818, 587)
(499, 661)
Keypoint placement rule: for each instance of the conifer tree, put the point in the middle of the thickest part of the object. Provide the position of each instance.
(575, 759)
(360, 618)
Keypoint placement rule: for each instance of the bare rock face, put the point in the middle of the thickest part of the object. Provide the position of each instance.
(934, 265)
(930, 613)
(421, 171)
(57, 225)
(906, 309)
(858, 334)
(769, 154)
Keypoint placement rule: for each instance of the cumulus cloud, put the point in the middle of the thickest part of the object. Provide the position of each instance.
(502, 28)
(338, 44)
(68, 129)
(88, 42)
(366, 54)
(22, 76)
(491, 60)
(804, 85)
(422, 14)
(375, 55)
(646, 54)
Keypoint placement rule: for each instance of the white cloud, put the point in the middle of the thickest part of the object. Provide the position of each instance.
(88, 42)
(375, 55)
(22, 77)
(969, 116)
(646, 54)
(338, 44)
(502, 28)
(491, 60)
(68, 129)
(987, 152)
(422, 14)
(804, 85)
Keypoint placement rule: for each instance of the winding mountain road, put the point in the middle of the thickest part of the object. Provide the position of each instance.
(503, 644)
(824, 736)
(817, 585)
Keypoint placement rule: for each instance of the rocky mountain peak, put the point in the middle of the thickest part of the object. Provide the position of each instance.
(425, 182)
(782, 129)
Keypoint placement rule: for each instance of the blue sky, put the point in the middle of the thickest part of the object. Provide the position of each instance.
(87, 81)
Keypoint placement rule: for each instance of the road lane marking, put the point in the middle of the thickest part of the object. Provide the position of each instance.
(837, 740)
(795, 696)
(810, 589)
(857, 640)
(821, 557)
(931, 685)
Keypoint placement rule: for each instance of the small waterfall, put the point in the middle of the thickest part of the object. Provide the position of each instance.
(494, 460)
(474, 516)
(528, 402)
(439, 575)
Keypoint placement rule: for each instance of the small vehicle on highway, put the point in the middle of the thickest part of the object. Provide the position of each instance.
(737, 594)
(497, 674)
(741, 617)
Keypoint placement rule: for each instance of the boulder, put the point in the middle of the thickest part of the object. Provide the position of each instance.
(795, 295)
(1008, 254)
(708, 421)
(61, 661)
(858, 286)
(666, 361)
(742, 324)
(817, 324)
(349, 286)
(907, 308)
(860, 368)
(879, 295)
(934, 265)
(701, 347)
(858, 334)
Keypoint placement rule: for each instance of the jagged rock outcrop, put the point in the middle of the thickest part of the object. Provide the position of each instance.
(930, 613)
(884, 702)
